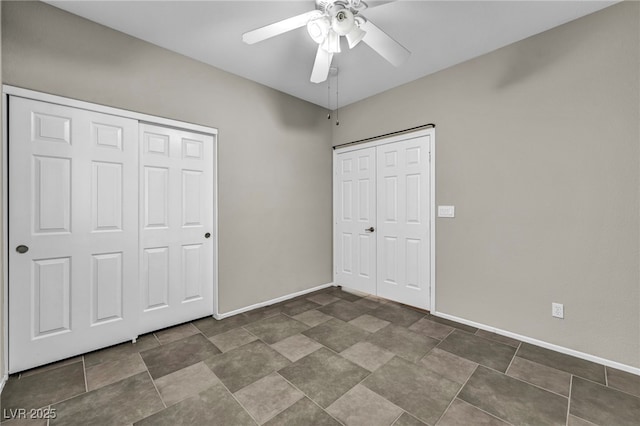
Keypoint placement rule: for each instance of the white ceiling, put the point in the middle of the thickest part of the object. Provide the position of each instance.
(438, 33)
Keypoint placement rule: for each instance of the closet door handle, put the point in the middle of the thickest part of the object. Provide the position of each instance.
(369, 229)
(22, 249)
(207, 235)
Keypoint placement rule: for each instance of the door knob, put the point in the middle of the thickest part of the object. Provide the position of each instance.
(22, 249)
(207, 235)
(369, 229)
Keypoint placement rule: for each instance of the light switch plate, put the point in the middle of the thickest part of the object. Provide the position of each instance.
(446, 211)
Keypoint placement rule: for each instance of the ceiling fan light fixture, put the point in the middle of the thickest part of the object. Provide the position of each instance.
(343, 22)
(318, 29)
(332, 43)
(355, 36)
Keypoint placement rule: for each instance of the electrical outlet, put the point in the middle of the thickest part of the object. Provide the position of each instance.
(557, 310)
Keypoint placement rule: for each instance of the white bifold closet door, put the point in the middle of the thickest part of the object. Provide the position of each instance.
(382, 220)
(73, 231)
(403, 246)
(110, 230)
(176, 204)
(355, 198)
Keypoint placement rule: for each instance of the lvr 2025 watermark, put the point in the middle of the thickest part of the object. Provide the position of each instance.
(23, 413)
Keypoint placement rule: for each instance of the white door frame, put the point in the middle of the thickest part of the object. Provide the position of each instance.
(60, 100)
(432, 198)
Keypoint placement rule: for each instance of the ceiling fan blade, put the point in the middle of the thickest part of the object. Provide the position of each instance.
(280, 27)
(386, 47)
(321, 66)
(376, 3)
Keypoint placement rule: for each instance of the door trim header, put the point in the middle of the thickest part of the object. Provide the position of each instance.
(386, 135)
(386, 140)
(61, 100)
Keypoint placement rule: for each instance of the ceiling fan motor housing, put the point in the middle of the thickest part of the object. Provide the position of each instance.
(354, 5)
(343, 22)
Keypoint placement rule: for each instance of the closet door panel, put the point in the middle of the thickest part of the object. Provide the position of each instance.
(177, 192)
(355, 221)
(73, 220)
(403, 228)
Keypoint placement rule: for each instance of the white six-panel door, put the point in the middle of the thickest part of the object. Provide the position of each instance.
(355, 240)
(382, 220)
(110, 230)
(73, 237)
(176, 205)
(403, 222)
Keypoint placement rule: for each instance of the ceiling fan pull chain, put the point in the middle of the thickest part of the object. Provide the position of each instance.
(329, 99)
(329, 94)
(337, 98)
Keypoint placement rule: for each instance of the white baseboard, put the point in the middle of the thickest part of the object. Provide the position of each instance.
(271, 302)
(553, 347)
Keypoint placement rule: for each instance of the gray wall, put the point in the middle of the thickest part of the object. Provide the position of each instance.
(274, 150)
(537, 146)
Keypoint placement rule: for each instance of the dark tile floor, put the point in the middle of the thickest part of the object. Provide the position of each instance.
(327, 358)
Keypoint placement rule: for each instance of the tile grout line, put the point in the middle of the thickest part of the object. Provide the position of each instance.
(456, 395)
(496, 340)
(522, 380)
(291, 384)
(370, 373)
(71, 397)
(309, 398)
(156, 337)
(614, 389)
(448, 334)
(153, 382)
(512, 359)
(585, 421)
(558, 370)
(84, 372)
(467, 402)
(478, 364)
(484, 411)
(199, 331)
(397, 418)
(228, 390)
(597, 383)
(537, 386)
(64, 400)
(236, 399)
(569, 403)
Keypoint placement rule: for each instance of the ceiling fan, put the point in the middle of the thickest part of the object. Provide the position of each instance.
(331, 20)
